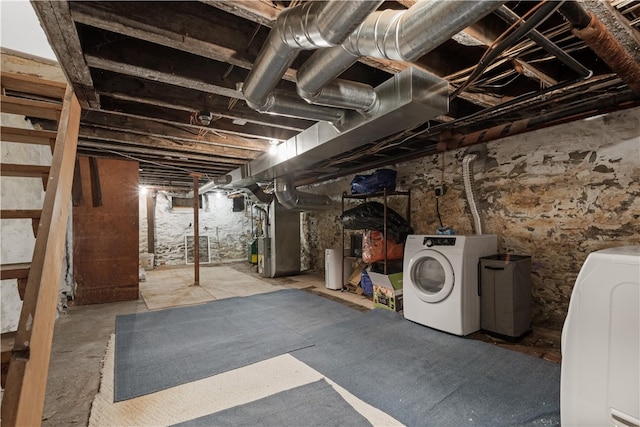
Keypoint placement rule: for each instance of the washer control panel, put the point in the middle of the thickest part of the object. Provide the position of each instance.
(439, 241)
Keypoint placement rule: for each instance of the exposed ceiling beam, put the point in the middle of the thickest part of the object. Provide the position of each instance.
(131, 88)
(56, 20)
(261, 11)
(160, 76)
(133, 123)
(178, 117)
(184, 148)
(189, 32)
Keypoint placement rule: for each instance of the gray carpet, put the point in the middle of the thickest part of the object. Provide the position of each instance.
(423, 377)
(315, 404)
(419, 376)
(166, 348)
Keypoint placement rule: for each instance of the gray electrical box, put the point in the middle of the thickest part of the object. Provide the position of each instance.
(505, 295)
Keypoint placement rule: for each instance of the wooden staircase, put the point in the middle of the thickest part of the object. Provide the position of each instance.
(27, 350)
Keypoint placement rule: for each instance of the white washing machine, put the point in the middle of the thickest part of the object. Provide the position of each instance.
(600, 381)
(440, 284)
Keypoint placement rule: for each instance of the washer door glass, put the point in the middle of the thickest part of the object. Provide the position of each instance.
(431, 275)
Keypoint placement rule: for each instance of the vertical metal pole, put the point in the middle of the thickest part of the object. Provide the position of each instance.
(384, 234)
(196, 229)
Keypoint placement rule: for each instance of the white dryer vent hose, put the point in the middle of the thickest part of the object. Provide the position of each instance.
(467, 176)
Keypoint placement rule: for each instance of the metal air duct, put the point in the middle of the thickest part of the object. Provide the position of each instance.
(291, 198)
(407, 99)
(256, 195)
(398, 35)
(309, 26)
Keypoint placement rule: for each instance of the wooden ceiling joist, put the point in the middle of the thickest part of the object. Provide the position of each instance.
(56, 20)
(140, 124)
(159, 24)
(234, 155)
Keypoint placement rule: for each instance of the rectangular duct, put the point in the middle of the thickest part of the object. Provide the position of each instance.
(406, 100)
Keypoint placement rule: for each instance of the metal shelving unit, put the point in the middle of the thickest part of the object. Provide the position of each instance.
(384, 195)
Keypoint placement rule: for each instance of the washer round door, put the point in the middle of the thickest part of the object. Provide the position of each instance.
(431, 275)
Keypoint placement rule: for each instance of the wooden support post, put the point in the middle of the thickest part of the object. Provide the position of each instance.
(23, 399)
(76, 188)
(151, 221)
(196, 227)
(96, 188)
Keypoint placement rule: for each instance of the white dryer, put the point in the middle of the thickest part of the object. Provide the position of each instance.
(440, 284)
(600, 380)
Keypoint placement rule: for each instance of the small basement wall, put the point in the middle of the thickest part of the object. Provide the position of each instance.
(556, 194)
(228, 231)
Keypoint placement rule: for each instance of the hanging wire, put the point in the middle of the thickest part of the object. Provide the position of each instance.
(540, 13)
(498, 86)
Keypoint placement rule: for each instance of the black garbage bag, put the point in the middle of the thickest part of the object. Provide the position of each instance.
(370, 216)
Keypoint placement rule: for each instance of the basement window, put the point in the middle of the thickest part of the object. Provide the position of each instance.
(238, 204)
(185, 202)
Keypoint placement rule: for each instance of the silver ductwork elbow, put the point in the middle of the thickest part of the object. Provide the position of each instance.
(257, 195)
(346, 94)
(283, 103)
(404, 35)
(221, 180)
(332, 62)
(291, 198)
(308, 26)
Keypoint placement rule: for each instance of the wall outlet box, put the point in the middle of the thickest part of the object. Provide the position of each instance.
(440, 190)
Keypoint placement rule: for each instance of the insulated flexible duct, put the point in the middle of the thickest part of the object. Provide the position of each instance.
(467, 176)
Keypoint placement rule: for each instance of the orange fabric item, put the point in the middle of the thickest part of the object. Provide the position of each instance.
(373, 247)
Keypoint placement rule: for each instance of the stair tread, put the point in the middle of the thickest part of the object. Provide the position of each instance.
(20, 213)
(7, 341)
(33, 171)
(15, 271)
(30, 107)
(32, 85)
(27, 136)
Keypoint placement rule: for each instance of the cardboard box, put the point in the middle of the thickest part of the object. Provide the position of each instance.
(387, 290)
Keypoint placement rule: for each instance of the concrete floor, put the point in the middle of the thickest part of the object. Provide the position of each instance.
(82, 334)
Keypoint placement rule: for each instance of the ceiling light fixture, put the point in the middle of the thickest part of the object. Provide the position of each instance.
(204, 118)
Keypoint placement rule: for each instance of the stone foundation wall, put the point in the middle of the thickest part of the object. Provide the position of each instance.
(555, 194)
(228, 231)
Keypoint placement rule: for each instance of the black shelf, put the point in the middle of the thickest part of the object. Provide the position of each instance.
(375, 195)
(383, 195)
